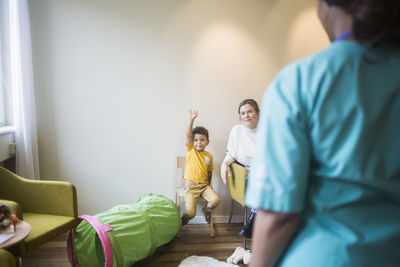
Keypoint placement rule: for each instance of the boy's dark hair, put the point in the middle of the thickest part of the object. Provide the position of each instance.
(200, 130)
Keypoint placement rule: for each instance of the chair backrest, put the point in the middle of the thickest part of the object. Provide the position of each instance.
(237, 183)
(180, 162)
(180, 169)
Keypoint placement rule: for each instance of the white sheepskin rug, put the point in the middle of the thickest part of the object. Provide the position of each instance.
(204, 261)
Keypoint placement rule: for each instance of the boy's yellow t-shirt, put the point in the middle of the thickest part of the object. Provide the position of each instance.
(198, 164)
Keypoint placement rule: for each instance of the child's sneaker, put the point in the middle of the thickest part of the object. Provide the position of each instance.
(208, 218)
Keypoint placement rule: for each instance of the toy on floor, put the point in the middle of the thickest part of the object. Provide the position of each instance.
(202, 261)
(239, 255)
(125, 234)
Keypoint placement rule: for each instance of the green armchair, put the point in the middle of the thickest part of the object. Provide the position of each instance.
(6, 258)
(237, 189)
(50, 207)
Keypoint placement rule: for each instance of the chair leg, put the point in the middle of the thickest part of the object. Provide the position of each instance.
(178, 204)
(228, 228)
(244, 223)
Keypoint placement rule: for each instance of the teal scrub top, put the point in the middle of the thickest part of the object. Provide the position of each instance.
(328, 147)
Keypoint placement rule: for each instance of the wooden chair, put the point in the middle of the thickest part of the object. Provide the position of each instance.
(237, 189)
(180, 191)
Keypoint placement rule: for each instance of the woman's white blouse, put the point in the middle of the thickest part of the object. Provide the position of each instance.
(241, 145)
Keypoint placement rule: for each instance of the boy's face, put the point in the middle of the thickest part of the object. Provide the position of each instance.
(200, 142)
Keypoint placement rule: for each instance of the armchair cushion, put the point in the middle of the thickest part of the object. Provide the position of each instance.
(45, 227)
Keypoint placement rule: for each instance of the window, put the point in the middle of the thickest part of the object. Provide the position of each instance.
(5, 98)
(5, 102)
(2, 95)
(6, 118)
(2, 107)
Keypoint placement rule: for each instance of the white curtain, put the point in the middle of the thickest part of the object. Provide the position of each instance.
(18, 73)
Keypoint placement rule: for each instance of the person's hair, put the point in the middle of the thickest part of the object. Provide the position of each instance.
(375, 22)
(252, 103)
(200, 130)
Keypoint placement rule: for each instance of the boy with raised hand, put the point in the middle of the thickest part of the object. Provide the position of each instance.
(198, 171)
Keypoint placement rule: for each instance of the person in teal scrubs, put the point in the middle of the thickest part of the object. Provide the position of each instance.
(326, 171)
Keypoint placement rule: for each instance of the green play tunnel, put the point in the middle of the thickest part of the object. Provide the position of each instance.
(125, 234)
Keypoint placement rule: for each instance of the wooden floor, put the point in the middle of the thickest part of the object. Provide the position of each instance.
(194, 240)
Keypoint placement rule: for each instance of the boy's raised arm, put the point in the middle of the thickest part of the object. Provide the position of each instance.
(193, 113)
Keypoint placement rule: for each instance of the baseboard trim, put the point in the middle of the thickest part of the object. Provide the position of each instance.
(217, 219)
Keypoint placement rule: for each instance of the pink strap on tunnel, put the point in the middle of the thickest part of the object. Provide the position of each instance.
(102, 233)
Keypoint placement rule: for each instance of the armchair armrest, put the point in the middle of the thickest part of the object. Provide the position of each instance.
(38, 196)
(6, 258)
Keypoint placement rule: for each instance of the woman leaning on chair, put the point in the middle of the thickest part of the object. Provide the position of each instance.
(325, 175)
(241, 145)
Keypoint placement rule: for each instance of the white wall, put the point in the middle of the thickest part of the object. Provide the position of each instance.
(114, 81)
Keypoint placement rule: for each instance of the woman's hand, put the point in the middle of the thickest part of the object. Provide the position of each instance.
(225, 171)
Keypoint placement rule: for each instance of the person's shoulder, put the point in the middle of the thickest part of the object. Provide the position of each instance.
(236, 128)
(300, 81)
(336, 53)
(309, 70)
(189, 147)
(208, 154)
